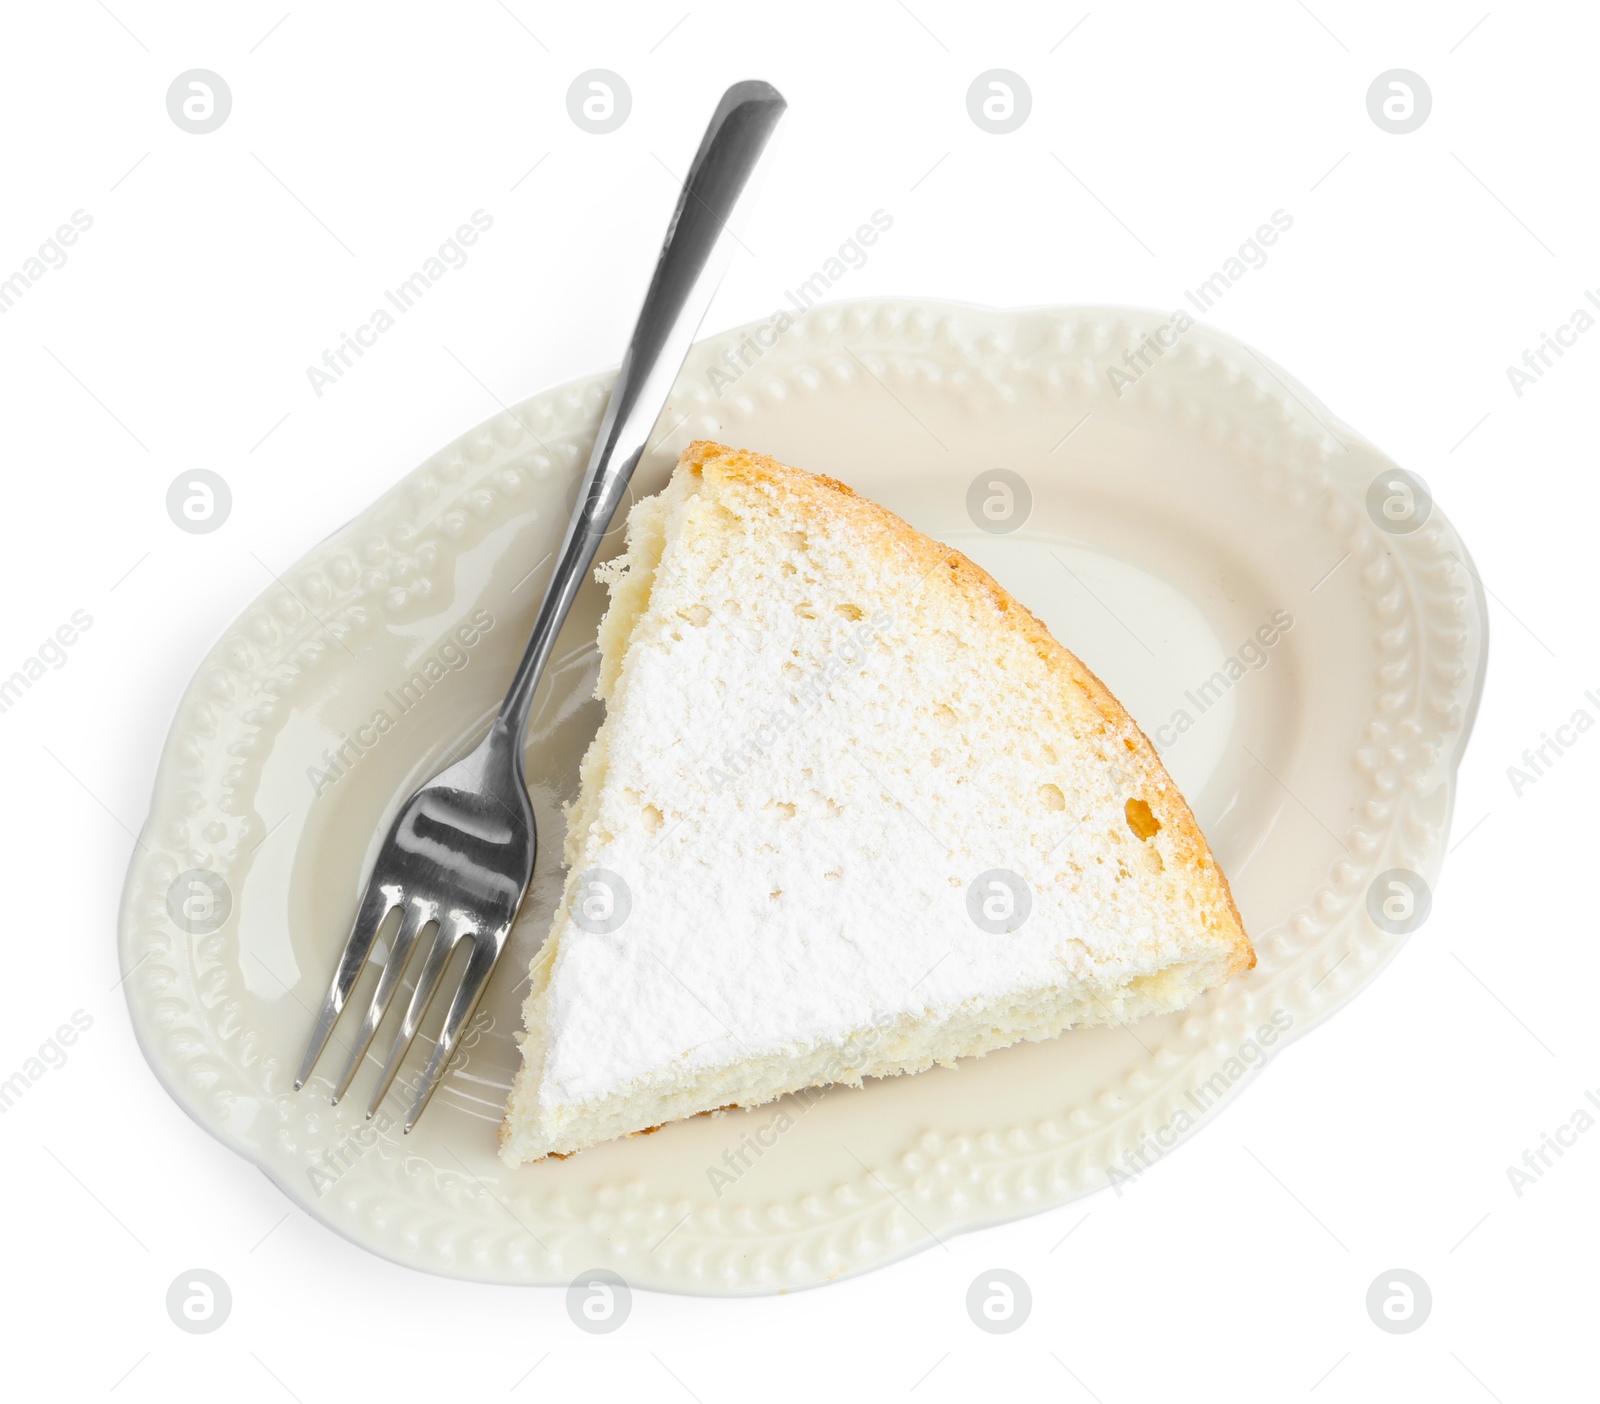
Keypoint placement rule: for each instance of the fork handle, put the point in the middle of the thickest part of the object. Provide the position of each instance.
(694, 257)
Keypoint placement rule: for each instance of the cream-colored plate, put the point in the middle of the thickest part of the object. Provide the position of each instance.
(1175, 511)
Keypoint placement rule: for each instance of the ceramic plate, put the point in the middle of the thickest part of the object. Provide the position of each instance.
(1288, 615)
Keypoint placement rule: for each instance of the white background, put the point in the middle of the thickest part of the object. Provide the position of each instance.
(220, 266)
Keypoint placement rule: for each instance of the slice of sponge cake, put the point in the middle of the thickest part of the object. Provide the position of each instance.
(852, 812)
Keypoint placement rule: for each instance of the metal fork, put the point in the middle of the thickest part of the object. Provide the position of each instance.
(460, 853)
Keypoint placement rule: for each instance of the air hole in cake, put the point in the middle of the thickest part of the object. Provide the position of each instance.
(1050, 797)
(784, 808)
(805, 610)
(849, 611)
(794, 540)
(944, 716)
(653, 817)
(1143, 823)
(696, 614)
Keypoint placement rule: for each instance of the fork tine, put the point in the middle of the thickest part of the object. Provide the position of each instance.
(480, 964)
(427, 982)
(418, 914)
(376, 904)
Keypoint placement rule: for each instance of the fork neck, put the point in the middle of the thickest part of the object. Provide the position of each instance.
(610, 468)
(572, 564)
